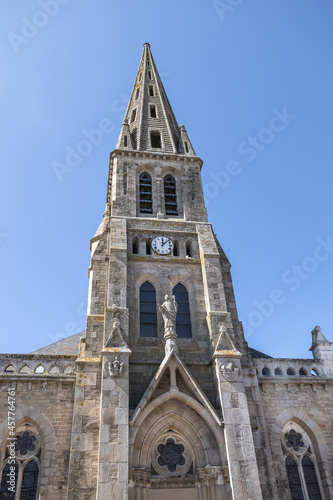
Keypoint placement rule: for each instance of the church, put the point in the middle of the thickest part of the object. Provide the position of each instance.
(161, 395)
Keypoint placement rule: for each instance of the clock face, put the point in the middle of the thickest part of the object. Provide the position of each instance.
(162, 245)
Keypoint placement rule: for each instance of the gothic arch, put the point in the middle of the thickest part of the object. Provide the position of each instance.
(185, 279)
(38, 419)
(152, 278)
(303, 420)
(184, 415)
(148, 310)
(176, 172)
(317, 439)
(42, 425)
(146, 169)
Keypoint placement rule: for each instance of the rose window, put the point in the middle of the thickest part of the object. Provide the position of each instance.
(171, 455)
(294, 440)
(26, 443)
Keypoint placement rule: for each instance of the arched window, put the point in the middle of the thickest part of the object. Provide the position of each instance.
(145, 194)
(266, 372)
(278, 372)
(188, 249)
(27, 465)
(300, 464)
(183, 319)
(290, 371)
(30, 480)
(170, 195)
(175, 248)
(135, 246)
(294, 479)
(148, 247)
(148, 317)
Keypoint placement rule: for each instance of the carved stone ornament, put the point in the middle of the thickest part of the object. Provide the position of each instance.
(229, 371)
(169, 312)
(115, 339)
(115, 367)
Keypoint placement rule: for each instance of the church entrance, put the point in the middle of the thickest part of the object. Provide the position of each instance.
(176, 493)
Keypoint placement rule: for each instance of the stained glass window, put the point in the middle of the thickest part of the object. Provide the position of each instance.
(5, 493)
(294, 440)
(29, 481)
(294, 479)
(27, 451)
(300, 464)
(310, 477)
(25, 443)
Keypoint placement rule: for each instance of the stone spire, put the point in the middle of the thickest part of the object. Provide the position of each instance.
(149, 123)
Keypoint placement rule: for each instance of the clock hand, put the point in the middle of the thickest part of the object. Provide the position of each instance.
(165, 242)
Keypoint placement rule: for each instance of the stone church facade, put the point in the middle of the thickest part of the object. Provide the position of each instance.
(161, 396)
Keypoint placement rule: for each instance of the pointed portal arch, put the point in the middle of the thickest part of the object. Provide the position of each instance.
(183, 320)
(148, 317)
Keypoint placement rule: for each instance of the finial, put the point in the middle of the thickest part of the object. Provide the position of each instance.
(107, 211)
(146, 43)
(318, 338)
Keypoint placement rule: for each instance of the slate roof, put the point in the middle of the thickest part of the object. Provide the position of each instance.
(69, 345)
(258, 354)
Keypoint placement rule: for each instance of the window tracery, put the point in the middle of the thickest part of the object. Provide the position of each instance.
(301, 464)
(171, 454)
(26, 465)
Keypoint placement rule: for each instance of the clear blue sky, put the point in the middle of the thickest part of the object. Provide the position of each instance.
(253, 86)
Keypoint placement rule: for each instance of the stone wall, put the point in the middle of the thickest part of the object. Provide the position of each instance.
(45, 402)
(306, 401)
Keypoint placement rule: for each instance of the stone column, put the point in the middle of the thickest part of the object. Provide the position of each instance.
(113, 440)
(243, 470)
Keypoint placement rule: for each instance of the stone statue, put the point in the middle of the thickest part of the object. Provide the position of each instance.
(116, 368)
(169, 312)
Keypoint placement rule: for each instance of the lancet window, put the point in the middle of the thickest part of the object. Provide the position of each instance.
(170, 195)
(301, 464)
(148, 317)
(183, 319)
(145, 194)
(21, 465)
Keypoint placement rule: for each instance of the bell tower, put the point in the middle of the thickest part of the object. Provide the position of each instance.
(148, 399)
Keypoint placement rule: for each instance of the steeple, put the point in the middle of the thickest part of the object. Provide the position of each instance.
(149, 123)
